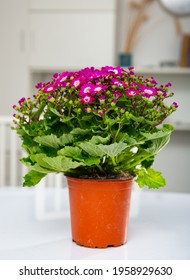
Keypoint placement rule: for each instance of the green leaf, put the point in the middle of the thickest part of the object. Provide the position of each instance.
(26, 161)
(65, 139)
(114, 149)
(166, 130)
(91, 149)
(80, 131)
(150, 178)
(53, 110)
(91, 161)
(32, 178)
(40, 169)
(137, 119)
(73, 152)
(99, 140)
(158, 144)
(61, 163)
(48, 140)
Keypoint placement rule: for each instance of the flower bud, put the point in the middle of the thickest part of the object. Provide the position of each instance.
(87, 110)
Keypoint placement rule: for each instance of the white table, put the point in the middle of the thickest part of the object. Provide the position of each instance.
(159, 229)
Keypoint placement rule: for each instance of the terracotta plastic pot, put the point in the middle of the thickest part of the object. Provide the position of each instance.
(99, 211)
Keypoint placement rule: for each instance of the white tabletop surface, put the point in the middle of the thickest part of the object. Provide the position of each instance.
(159, 228)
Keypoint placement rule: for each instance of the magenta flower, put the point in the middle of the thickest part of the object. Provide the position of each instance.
(21, 101)
(131, 92)
(51, 98)
(86, 89)
(175, 105)
(76, 82)
(98, 88)
(50, 88)
(39, 85)
(56, 75)
(87, 110)
(87, 99)
(14, 106)
(168, 85)
(116, 82)
(148, 91)
(117, 94)
(62, 78)
(131, 68)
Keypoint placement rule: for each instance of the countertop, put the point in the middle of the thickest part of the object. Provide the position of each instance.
(159, 228)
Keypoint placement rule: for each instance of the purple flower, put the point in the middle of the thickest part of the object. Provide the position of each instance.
(87, 110)
(86, 89)
(51, 98)
(87, 99)
(21, 101)
(40, 85)
(116, 82)
(56, 75)
(131, 92)
(116, 94)
(14, 106)
(175, 105)
(50, 88)
(168, 85)
(62, 78)
(98, 88)
(148, 91)
(76, 82)
(131, 68)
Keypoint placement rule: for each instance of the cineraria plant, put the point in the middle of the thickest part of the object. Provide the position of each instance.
(95, 123)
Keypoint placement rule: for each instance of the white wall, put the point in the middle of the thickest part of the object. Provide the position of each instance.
(157, 40)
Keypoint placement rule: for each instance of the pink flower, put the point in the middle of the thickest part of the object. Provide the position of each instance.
(117, 94)
(87, 99)
(98, 88)
(86, 89)
(40, 85)
(56, 75)
(131, 92)
(76, 82)
(21, 101)
(148, 91)
(116, 82)
(175, 105)
(50, 88)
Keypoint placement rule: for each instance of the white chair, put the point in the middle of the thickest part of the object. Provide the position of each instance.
(49, 193)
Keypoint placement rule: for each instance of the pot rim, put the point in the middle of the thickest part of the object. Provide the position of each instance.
(100, 180)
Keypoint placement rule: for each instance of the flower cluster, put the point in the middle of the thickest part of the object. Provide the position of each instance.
(95, 107)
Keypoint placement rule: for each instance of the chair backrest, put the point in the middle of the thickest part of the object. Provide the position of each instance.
(11, 170)
(49, 191)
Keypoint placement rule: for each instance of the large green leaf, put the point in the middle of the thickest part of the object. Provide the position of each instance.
(91, 161)
(65, 139)
(61, 163)
(73, 152)
(92, 149)
(51, 141)
(99, 140)
(166, 130)
(80, 131)
(150, 178)
(114, 149)
(32, 178)
(158, 144)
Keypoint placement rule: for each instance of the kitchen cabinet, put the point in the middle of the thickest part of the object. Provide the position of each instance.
(13, 53)
(71, 34)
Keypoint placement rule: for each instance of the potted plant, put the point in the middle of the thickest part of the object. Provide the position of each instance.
(102, 129)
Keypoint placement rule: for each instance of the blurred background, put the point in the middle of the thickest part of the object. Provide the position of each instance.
(41, 37)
